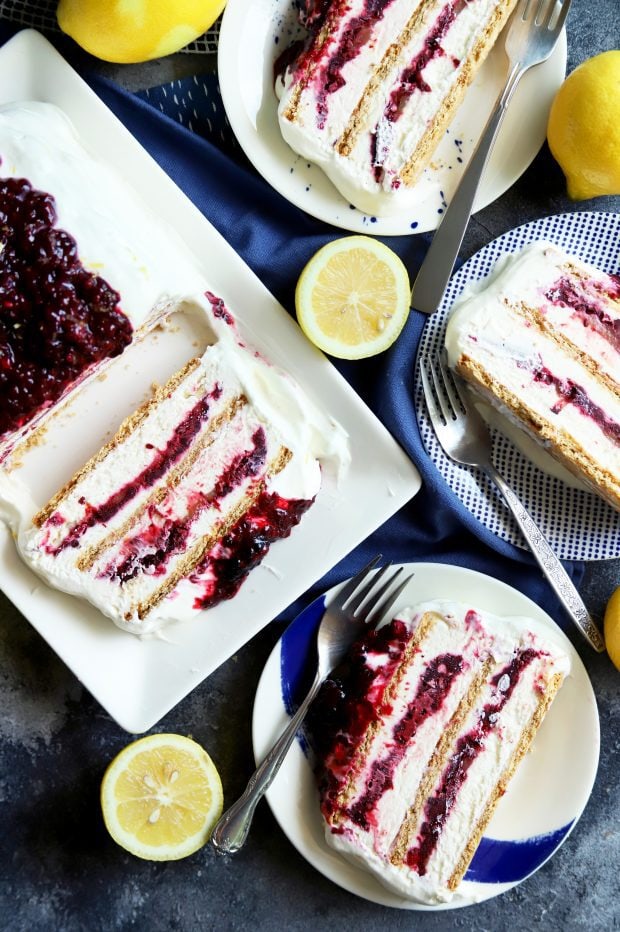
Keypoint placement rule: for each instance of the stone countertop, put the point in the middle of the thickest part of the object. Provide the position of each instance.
(59, 869)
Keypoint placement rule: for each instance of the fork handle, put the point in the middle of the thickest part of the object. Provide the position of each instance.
(555, 573)
(431, 281)
(230, 833)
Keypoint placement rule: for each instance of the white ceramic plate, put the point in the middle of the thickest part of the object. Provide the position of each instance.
(254, 34)
(137, 681)
(578, 524)
(543, 802)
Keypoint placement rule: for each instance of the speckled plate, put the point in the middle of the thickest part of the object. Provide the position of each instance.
(544, 799)
(254, 34)
(578, 524)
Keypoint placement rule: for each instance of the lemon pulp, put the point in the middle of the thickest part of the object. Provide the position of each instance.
(161, 797)
(352, 298)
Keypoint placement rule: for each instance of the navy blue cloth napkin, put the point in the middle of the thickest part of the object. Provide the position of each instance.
(276, 239)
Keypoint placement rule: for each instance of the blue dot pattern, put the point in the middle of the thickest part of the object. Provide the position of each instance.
(578, 524)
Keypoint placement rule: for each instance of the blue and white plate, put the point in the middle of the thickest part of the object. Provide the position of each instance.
(578, 524)
(533, 818)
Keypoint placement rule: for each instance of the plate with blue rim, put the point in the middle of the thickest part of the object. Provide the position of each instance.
(531, 821)
(577, 523)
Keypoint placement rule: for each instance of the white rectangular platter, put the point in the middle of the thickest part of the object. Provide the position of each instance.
(137, 680)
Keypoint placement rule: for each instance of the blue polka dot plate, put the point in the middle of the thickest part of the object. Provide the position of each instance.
(577, 523)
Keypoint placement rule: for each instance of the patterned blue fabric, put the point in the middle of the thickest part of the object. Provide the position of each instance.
(184, 128)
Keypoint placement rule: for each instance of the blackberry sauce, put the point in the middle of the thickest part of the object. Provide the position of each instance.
(244, 546)
(165, 537)
(565, 293)
(219, 308)
(570, 392)
(349, 700)
(355, 36)
(468, 747)
(411, 78)
(178, 444)
(57, 319)
(435, 685)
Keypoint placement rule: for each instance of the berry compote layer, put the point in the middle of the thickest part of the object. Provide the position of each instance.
(57, 319)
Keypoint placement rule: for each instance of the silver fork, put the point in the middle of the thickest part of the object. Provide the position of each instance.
(465, 438)
(533, 31)
(363, 601)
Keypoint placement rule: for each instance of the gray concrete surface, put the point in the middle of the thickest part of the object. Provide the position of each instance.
(60, 871)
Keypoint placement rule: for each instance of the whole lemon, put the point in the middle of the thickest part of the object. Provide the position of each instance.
(127, 31)
(584, 127)
(611, 627)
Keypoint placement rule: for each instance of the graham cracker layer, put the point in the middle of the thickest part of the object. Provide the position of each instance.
(347, 792)
(406, 834)
(468, 69)
(128, 426)
(563, 340)
(91, 554)
(195, 554)
(527, 736)
(559, 443)
(422, 15)
(359, 117)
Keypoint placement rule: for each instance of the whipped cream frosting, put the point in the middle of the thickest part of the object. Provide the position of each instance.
(118, 237)
(123, 241)
(576, 301)
(467, 637)
(369, 177)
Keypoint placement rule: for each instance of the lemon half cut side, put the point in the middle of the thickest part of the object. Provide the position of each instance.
(161, 797)
(353, 297)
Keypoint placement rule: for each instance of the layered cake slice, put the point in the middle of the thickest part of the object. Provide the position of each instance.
(174, 511)
(540, 340)
(369, 96)
(84, 266)
(418, 734)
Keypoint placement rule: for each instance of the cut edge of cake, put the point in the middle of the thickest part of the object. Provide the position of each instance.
(386, 70)
(499, 639)
(566, 448)
(158, 476)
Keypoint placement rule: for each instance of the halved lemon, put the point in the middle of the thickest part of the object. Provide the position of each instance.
(161, 797)
(353, 297)
(611, 627)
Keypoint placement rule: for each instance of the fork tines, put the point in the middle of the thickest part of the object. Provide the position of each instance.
(366, 603)
(542, 12)
(443, 398)
(381, 610)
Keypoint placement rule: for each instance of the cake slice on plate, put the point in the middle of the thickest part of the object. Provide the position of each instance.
(419, 733)
(540, 339)
(370, 95)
